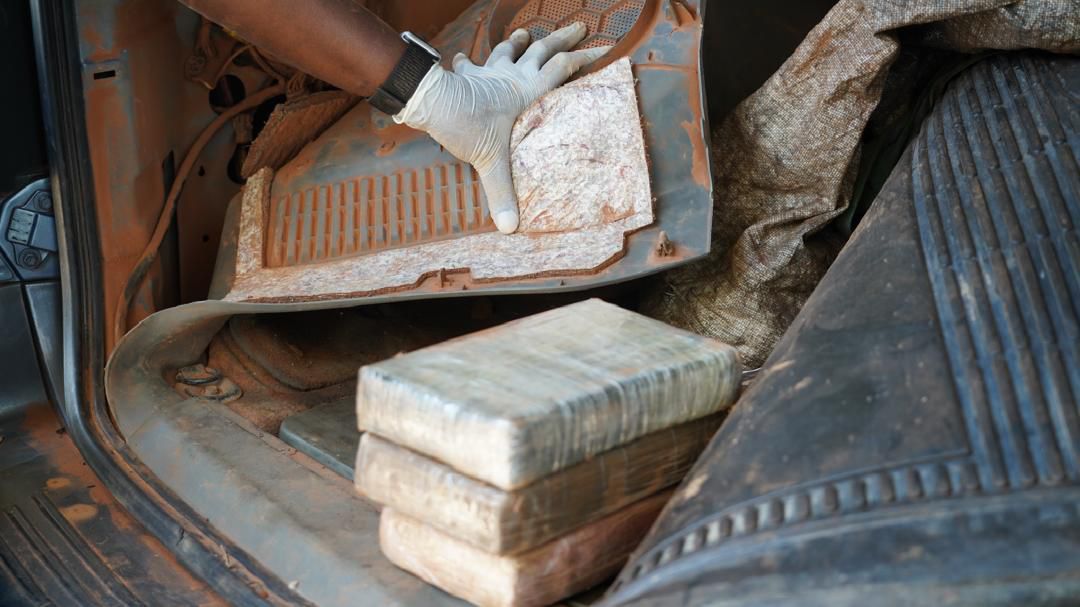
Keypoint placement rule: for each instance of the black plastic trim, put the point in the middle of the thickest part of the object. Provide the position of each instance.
(229, 571)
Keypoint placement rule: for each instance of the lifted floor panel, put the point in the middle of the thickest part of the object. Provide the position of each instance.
(293, 235)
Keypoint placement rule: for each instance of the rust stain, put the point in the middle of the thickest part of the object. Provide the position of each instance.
(134, 221)
(74, 480)
(657, 24)
(394, 133)
(683, 16)
(604, 21)
(699, 159)
(663, 248)
(666, 252)
(57, 482)
(79, 513)
(822, 41)
(129, 135)
(424, 20)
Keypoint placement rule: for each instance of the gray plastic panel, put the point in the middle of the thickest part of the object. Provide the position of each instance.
(327, 434)
(43, 299)
(20, 378)
(28, 235)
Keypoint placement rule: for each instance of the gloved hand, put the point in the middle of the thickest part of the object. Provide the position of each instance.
(471, 110)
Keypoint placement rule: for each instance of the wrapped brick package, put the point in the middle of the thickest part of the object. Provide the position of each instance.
(510, 522)
(518, 402)
(558, 569)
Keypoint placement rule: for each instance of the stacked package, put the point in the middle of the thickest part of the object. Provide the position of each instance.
(520, 465)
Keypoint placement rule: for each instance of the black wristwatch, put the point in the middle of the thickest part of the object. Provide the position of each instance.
(400, 85)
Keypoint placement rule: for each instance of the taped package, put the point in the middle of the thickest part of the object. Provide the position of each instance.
(513, 404)
(511, 522)
(541, 576)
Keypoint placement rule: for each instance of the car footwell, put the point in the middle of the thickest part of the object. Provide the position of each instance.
(64, 540)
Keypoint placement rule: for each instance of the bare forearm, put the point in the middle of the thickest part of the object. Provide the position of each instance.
(334, 40)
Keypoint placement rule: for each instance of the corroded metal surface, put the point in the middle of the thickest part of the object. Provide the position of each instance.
(64, 538)
(400, 172)
(580, 169)
(607, 20)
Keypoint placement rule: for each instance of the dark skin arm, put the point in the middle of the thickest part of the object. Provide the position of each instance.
(337, 41)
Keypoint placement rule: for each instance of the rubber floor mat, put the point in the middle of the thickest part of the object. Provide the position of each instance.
(914, 438)
(63, 540)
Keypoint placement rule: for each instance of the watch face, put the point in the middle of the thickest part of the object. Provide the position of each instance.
(418, 41)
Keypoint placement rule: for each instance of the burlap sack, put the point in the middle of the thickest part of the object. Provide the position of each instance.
(785, 161)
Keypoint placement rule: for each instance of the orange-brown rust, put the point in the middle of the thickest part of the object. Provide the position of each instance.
(822, 40)
(699, 160)
(134, 120)
(680, 16)
(266, 402)
(606, 22)
(423, 17)
(81, 498)
(79, 513)
(656, 18)
(683, 15)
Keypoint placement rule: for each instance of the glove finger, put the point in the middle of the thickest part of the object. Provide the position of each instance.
(557, 41)
(509, 49)
(499, 188)
(562, 66)
(461, 63)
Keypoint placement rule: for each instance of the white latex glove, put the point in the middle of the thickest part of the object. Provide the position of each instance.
(471, 110)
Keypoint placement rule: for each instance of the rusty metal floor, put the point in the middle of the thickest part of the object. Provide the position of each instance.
(64, 540)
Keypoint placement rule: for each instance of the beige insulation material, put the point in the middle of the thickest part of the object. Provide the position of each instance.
(784, 162)
(510, 522)
(578, 160)
(515, 403)
(554, 571)
(565, 182)
(292, 125)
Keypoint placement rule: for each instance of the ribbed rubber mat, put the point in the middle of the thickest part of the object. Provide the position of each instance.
(914, 439)
(607, 20)
(44, 560)
(64, 540)
(1003, 257)
(374, 213)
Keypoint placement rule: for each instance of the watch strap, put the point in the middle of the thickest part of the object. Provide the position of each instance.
(402, 82)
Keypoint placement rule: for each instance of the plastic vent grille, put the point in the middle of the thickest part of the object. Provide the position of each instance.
(375, 213)
(607, 20)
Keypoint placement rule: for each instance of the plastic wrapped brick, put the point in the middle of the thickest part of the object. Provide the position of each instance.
(556, 570)
(510, 522)
(518, 402)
